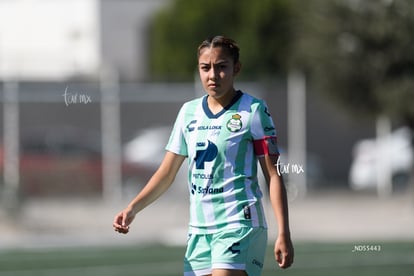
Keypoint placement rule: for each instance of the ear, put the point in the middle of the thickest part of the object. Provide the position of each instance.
(237, 68)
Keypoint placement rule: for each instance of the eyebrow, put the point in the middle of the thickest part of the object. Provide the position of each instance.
(218, 62)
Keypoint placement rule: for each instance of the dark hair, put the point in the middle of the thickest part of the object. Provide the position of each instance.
(221, 41)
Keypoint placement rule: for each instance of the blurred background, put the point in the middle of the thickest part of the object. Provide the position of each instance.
(90, 89)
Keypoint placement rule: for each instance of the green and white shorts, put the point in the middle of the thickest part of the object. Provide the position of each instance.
(239, 249)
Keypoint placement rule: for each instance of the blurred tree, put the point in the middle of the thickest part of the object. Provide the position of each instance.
(361, 54)
(261, 28)
(358, 52)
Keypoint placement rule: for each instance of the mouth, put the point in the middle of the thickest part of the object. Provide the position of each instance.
(213, 85)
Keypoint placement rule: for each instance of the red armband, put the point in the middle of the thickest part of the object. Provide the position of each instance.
(266, 146)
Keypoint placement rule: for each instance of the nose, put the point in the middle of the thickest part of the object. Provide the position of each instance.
(212, 74)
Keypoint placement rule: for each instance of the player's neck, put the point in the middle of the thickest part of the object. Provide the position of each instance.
(217, 104)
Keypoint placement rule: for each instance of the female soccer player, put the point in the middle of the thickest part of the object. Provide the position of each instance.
(222, 134)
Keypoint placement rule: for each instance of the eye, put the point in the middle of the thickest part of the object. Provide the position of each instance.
(205, 68)
(221, 66)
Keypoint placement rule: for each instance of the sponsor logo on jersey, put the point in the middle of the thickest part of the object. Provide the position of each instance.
(234, 124)
(190, 126)
(205, 190)
(202, 176)
(209, 128)
(206, 154)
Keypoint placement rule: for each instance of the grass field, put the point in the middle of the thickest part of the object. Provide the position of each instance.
(395, 259)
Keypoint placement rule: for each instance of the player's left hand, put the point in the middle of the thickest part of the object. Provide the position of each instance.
(122, 221)
(284, 252)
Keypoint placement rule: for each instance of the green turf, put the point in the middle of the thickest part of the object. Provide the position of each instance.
(310, 259)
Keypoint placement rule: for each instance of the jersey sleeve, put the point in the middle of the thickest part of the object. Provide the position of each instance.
(177, 143)
(264, 132)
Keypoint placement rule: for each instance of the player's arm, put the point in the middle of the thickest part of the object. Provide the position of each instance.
(283, 247)
(156, 186)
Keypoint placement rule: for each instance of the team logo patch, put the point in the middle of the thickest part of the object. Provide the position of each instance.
(234, 124)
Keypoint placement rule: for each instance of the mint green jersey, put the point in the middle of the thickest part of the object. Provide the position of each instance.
(222, 151)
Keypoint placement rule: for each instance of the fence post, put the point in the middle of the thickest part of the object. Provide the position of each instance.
(297, 129)
(11, 141)
(383, 166)
(111, 133)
